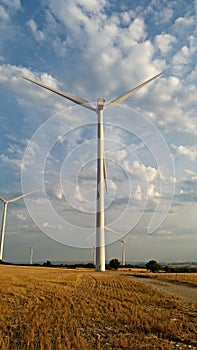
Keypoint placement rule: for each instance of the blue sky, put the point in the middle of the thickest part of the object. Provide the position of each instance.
(94, 49)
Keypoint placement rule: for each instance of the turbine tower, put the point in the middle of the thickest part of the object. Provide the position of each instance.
(93, 253)
(3, 223)
(101, 166)
(123, 252)
(31, 254)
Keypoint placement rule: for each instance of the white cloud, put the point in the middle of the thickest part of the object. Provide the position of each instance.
(184, 22)
(4, 14)
(152, 194)
(172, 179)
(111, 51)
(13, 161)
(105, 43)
(121, 154)
(38, 34)
(137, 195)
(165, 42)
(56, 191)
(77, 195)
(26, 92)
(174, 107)
(192, 173)
(8, 8)
(112, 185)
(14, 4)
(11, 76)
(141, 171)
(91, 5)
(21, 217)
(188, 151)
(182, 57)
(127, 17)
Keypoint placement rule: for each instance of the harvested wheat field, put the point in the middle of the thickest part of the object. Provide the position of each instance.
(47, 308)
(189, 279)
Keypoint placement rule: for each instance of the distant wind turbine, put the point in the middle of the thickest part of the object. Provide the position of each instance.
(93, 253)
(31, 254)
(3, 223)
(101, 164)
(123, 252)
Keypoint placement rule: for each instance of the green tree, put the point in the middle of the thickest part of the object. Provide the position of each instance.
(48, 263)
(114, 264)
(167, 268)
(153, 266)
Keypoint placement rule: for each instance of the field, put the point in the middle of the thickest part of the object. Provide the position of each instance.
(59, 309)
(189, 279)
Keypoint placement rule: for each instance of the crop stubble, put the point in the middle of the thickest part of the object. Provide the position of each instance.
(59, 309)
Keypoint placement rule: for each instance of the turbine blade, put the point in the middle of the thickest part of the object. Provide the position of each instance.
(2, 199)
(105, 173)
(92, 234)
(19, 197)
(110, 230)
(130, 92)
(70, 97)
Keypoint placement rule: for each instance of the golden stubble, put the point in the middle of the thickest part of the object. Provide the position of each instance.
(61, 309)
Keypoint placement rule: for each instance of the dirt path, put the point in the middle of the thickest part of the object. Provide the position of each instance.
(178, 290)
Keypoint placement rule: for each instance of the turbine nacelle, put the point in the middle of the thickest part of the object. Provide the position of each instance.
(100, 103)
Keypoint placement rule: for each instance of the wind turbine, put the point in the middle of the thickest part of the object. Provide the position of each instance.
(123, 253)
(5, 205)
(101, 165)
(31, 254)
(93, 253)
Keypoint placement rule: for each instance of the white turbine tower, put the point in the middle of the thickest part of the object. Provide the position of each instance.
(3, 223)
(101, 166)
(31, 254)
(93, 253)
(123, 252)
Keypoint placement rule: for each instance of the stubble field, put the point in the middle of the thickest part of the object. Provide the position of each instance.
(189, 279)
(59, 309)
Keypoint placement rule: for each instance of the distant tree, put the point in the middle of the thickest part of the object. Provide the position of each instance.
(114, 264)
(153, 266)
(48, 263)
(167, 268)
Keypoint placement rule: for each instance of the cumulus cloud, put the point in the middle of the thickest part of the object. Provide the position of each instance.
(137, 195)
(152, 193)
(188, 151)
(11, 77)
(165, 42)
(141, 171)
(121, 154)
(26, 92)
(142, 194)
(38, 34)
(117, 47)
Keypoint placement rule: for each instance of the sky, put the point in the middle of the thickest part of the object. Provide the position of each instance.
(92, 49)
